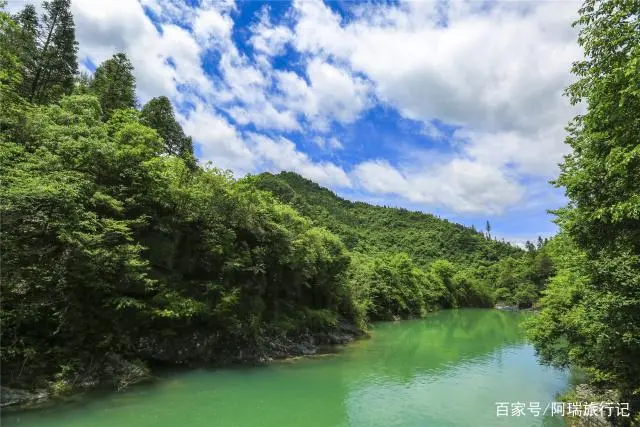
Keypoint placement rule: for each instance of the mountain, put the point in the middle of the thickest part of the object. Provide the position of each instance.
(374, 229)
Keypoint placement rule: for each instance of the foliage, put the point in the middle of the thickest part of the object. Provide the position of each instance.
(371, 229)
(484, 269)
(48, 51)
(158, 114)
(591, 311)
(114, 84)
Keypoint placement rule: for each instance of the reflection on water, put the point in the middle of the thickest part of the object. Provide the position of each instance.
(446, 370)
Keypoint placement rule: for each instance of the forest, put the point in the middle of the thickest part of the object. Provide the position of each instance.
(120, 250)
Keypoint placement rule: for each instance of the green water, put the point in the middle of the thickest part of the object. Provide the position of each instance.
(449, 369)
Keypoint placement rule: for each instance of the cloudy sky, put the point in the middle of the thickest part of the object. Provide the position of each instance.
(448, 107)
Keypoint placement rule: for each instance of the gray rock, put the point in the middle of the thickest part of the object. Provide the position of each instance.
(586, 393)
(11, 396)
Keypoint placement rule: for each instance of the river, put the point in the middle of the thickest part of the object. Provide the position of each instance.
(448, 369)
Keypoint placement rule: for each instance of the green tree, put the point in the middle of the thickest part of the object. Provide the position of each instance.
(114, 84)
(11, 104)
(48, 51)
(62, 209)
(444, 271)
(602, 330)
(158, 114)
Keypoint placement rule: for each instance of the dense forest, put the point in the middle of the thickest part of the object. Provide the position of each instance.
(119, 249)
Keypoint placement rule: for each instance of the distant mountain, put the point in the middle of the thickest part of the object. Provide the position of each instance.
(370, 229)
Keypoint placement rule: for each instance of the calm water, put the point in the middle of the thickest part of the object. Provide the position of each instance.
(449, 369)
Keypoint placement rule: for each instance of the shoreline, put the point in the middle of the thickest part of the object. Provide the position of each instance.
(279, 349)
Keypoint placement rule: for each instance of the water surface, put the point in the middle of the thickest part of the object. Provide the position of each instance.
(448, 369)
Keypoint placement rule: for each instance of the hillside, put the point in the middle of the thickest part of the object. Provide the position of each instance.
(372, 229)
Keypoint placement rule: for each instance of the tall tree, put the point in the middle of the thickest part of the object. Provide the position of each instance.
(26, 43)
(530, 247)
(115, 84)
(82, 84)
(10, 73)
(158, 114)
(48, 51)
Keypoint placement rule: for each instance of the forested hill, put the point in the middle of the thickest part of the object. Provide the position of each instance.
(372, 229)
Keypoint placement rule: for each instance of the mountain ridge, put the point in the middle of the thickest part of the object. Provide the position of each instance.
(365, 227)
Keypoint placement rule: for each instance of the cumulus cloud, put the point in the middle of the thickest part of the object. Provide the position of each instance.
(462, 185)
(104, 28)
(267, 38)
(332, 94)
(219, 141)
(211, 23)
(332, 143)
(496, 71)
(282, 154)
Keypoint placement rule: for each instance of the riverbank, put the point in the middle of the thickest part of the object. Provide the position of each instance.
(195, 350)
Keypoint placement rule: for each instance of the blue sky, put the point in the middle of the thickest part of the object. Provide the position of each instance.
(453, 108)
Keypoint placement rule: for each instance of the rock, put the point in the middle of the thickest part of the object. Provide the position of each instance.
(125, 372)
(586, 393)
(11, 396)
(507, 307)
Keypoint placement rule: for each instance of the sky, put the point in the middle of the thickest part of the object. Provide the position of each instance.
(449, 107)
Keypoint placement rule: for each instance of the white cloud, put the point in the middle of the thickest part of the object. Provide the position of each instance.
(495, 71)
(104, 28)
(267, 38)
(281, 154)
(462, 185)
(265, 116)
(211, 23)
(219, 141)
(332, 143)
(332, 94)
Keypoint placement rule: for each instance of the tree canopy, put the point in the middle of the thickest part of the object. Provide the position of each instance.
(591, 310)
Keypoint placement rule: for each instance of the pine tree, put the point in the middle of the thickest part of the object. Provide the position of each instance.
(26, 44)
(82, 84)
(530, 247)
(158, 114)
(11, 104)
(114, 84)
(49, 51)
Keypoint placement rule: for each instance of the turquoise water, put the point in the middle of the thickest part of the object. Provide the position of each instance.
(448, 369)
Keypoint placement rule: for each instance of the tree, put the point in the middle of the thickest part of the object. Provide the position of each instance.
(11, 104)
(158, 114)
(488, 228)
(82, 84)
(25, 43)
(114, 84)
(600, 176)
(530, 247)
(48, 51)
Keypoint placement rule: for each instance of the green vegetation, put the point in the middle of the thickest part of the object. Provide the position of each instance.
(118, 248)
(591, 309)
(457, 265)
